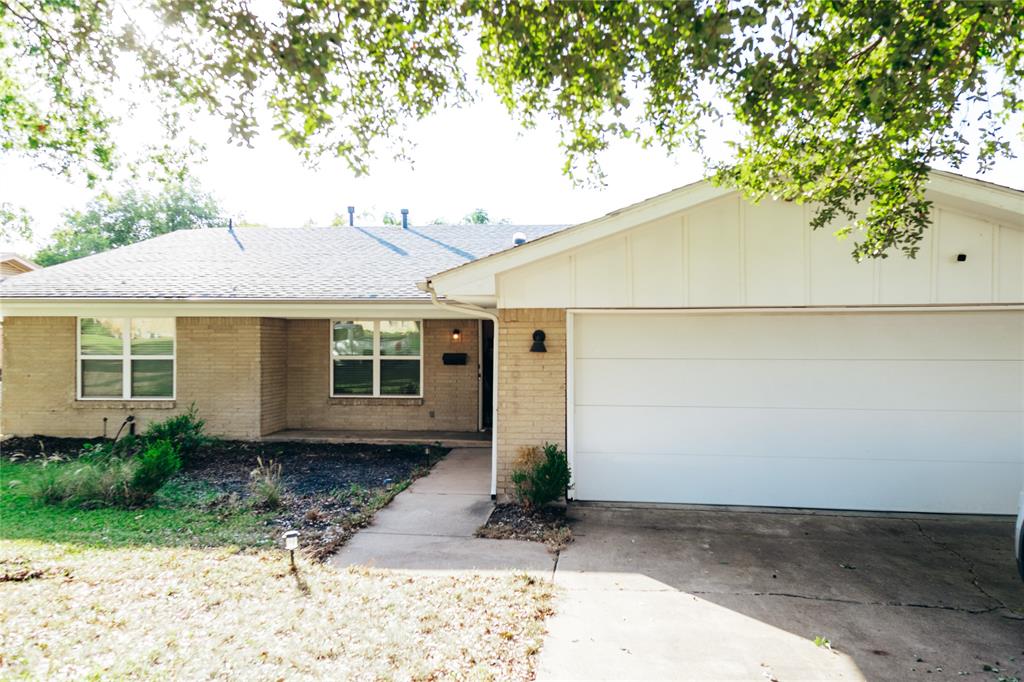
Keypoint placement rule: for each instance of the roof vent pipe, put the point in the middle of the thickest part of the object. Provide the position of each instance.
(518, 238)
(405, 219)
(351, 216)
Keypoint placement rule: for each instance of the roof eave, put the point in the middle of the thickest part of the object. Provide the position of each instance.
(180, 307)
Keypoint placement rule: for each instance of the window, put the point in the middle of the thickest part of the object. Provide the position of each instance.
(122, 358)
(381, 358)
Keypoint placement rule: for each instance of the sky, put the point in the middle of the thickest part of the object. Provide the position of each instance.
(474, 157)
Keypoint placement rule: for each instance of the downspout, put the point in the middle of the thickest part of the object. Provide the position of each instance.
(478, 313)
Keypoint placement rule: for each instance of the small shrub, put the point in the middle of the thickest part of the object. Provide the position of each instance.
(265, 484)
(184, 431)
(540, 478)
(154, 467)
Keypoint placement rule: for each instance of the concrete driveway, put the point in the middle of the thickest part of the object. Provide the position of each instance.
(693, 594)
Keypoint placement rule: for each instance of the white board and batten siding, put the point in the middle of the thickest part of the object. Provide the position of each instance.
(729, 253)
(726, 354)
(894, 411)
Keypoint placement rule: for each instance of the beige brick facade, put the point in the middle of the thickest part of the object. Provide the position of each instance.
(218, 368)
(273, 375)
(247, 376)
(450, 392)
(531, 386)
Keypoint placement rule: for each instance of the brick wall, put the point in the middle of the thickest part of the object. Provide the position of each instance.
(450, 393)
(273, 375)
(247, 376)
(218, 368)
(531, 386)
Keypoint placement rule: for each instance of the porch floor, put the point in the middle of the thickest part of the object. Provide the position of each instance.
(451, 439)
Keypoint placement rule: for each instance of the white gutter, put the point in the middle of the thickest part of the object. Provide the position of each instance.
(480, 313)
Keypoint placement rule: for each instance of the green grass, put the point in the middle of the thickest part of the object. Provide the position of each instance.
(180, 516)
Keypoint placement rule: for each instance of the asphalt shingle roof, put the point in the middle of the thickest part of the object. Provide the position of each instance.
(316, 263)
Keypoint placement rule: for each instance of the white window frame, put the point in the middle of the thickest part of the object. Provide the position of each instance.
(376, 358)
(126, 358)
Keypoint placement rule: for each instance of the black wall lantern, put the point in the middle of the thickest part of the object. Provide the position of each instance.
(538, 342)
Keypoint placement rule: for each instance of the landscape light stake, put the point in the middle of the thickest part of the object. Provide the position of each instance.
(291, 543)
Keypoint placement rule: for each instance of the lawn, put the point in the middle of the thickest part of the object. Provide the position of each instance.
(195, 587)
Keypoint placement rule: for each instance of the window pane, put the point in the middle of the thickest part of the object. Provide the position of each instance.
(400, 338)
(353, 377)
(400, 377)
(352, 338)
(152, 378)
(101, 378)
(101, 336)
(153, 336)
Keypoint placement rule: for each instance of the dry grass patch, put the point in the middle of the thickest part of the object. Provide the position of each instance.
(184, 613)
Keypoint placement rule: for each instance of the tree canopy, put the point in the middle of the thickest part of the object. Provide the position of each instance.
(478, 216)
(834, 102)
(128, 217)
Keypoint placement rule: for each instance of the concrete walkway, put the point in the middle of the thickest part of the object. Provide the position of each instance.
(430, 526)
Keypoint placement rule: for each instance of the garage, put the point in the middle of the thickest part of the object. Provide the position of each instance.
(883, 409)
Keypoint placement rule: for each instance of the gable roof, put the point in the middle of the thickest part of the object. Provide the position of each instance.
(997, 202)
(254, 263)
(23, 264)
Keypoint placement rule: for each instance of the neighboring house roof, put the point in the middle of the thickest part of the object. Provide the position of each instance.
(13, 264)
(255, 263)
(996, 202)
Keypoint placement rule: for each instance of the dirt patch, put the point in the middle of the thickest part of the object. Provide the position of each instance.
(331, 490)
(513, 522)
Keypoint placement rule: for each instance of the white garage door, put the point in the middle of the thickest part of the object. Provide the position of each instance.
(920, 411)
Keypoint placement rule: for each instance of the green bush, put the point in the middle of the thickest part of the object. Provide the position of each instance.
(542, 480)
(184, 431)
(154, 467)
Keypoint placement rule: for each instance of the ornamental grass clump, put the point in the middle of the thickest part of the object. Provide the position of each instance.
(540, 476)
(102, 478)
(266, 485)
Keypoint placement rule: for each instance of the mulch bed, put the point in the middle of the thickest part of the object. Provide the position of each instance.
(330, 488)
(319, 479)
(310, 468)
(514, 522)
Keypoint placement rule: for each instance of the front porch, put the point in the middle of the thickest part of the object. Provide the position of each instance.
(448, 439)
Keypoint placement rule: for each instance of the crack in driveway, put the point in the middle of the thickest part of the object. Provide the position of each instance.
(855, 602)
(970, 570)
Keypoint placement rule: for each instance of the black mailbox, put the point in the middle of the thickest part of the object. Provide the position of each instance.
(454, 358)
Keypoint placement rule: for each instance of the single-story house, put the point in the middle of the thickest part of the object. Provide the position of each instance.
(692, 348)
